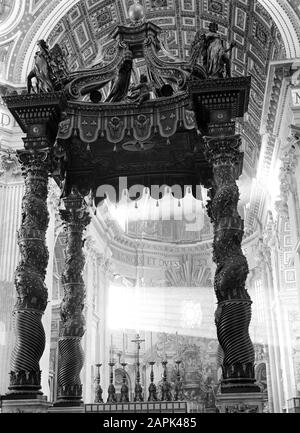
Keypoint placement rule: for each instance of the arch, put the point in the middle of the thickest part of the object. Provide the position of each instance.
(42, 32)
(288, 25)
(13, 19)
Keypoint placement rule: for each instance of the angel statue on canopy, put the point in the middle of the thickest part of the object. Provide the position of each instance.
(50, 69)
(210, 48)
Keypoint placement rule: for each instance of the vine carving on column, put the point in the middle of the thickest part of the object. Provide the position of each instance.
(30, 274)
(71, 356)
(233, 313)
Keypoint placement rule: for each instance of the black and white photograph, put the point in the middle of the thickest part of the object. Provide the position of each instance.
(149, 212)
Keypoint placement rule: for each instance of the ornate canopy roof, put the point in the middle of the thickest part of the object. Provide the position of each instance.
(84, 29)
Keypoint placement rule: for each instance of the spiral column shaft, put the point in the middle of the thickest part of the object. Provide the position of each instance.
(70, 352)
(233, 313)
(25, 374)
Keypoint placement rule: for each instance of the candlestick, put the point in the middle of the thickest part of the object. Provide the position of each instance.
(98, 389)
(166, 386)
(152, 387)
(124, 388)
(178, 385)
(112, 398)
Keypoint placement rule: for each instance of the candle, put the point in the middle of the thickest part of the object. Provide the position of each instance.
(177, 343)
(151, 340)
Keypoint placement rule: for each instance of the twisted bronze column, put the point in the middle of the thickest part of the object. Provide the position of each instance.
(25, 375)
(233, 313)
(71, 356)
(38, 116)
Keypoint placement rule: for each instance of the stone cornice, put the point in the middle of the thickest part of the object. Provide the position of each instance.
(275, 92)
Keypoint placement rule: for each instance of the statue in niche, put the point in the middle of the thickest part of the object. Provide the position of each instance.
(140, 92)
(209, 46)
(49, 70)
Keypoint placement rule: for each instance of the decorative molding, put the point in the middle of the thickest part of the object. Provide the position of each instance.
(188, 274)
(9, 164)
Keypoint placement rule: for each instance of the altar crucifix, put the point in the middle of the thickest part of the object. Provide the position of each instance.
(138, 391)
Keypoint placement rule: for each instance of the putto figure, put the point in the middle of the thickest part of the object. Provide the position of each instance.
(140, 92)
(210, 48)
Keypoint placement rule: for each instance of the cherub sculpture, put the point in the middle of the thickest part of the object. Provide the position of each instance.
(141, 92)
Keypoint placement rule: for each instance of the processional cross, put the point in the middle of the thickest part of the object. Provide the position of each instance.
(138, 389)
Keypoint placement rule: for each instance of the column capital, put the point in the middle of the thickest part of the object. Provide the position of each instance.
(75, 211)
(222, 150)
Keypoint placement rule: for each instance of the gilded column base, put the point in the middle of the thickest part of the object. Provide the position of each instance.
(25, 383)
(238, 378)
